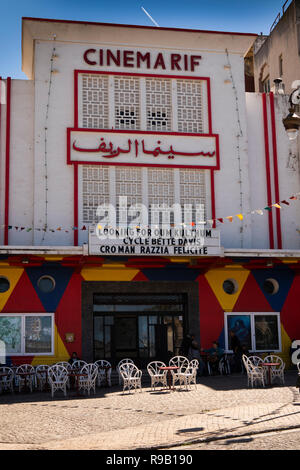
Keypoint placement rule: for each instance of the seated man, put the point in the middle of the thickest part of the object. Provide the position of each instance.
(214, 355)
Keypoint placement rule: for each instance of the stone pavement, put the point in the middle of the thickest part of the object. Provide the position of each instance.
(217, 407)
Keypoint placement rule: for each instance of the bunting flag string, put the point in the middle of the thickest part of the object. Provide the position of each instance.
(221, 220)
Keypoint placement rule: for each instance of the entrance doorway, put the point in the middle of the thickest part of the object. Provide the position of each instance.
(140, 327)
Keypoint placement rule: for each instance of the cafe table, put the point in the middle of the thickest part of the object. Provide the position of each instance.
(269, 366)
(169, 374)
(26, 376)
(77, 375)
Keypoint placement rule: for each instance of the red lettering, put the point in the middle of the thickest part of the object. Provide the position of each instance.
(86, 59)
(127, 59)
(101, 57)
(194, 61)
(175, 58)
(159, 62)
(110, 55)
(186, 65)
(142, 58)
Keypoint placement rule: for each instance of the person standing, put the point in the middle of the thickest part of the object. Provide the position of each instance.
(235, 346)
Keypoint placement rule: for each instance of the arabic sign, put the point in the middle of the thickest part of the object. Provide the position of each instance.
(154, 242)
(143, 149)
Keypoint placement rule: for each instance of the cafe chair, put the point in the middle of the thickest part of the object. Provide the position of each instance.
(78, 365)
(68, 366)
(7, 381)
(42, 376)
(23, 380)
(88, 382)
(277, 372)
(58, 378)
(157, 376)
(224, 366)
(182, 363)
(123, 361)
(131, 375)
(104, 372)
(254, 373)
(189, 376)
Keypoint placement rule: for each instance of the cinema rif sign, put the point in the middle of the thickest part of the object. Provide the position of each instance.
(136, 148)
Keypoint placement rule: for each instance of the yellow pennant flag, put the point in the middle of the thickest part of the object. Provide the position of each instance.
(230, 217)
(277, 205)
(240, 216)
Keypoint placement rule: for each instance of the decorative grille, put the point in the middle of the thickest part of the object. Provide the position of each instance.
(129, 184)
(95, 190)
(95, 101)
(190, 106)
(193, 195)
(161, 193)
(158, 104)
(127, 102)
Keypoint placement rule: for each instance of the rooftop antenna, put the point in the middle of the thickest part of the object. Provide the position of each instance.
(149, 16)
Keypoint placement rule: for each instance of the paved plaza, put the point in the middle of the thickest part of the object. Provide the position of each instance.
(216, 408)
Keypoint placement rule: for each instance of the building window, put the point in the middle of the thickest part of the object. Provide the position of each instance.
(280, 66)
(230, 286)
(153, 104)
(266, 85)
(46, 284)
(271, 286)
(258, 332)
(4, 285)
(27, 334)
(154, 187)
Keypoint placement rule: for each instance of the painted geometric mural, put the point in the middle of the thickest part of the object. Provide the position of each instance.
(24, 295)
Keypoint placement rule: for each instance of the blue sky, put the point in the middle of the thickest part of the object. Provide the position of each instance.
(251, 16)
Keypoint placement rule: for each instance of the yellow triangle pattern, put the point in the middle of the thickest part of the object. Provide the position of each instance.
(216, 278)
(60, 353)
(112, 273)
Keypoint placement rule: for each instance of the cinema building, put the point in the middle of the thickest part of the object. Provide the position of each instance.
(128, 118)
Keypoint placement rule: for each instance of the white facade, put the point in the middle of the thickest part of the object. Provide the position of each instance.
(45, 190)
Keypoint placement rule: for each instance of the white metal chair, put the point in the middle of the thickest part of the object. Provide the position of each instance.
(157, 376)
(7, 381)
(104, 372)
(88, 382)
(131, 375)
(42, 375)
(224, 365)
(189, 376)
(123, 361)
(24, 380)
(69, 368)
(58, 378)
(182, 363)
(277, 372)
(78, 365)
(254, 373)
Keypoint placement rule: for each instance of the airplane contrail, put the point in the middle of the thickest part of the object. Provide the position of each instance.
(153, 21)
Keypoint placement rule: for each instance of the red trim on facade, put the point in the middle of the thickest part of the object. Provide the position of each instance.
(209, 106)
(7, 158)
(138, 26)
(75, 99)
(275, 165)
(76, 204)
(213, 197)
(268, 175)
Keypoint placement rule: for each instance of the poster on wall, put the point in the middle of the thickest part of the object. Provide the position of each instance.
(241, 326)
(266, 332)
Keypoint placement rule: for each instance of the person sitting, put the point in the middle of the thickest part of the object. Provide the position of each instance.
(73, 358)
(214, 355)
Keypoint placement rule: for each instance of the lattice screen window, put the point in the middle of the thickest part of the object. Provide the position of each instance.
(95, 101)
(161, 192)
(158, 104)
(95, 190)
(127, 102)
(129, 184)
(190, 106)
(193, 195)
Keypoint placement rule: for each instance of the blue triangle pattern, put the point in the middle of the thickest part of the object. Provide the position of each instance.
(284, 276)
(60, 274)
